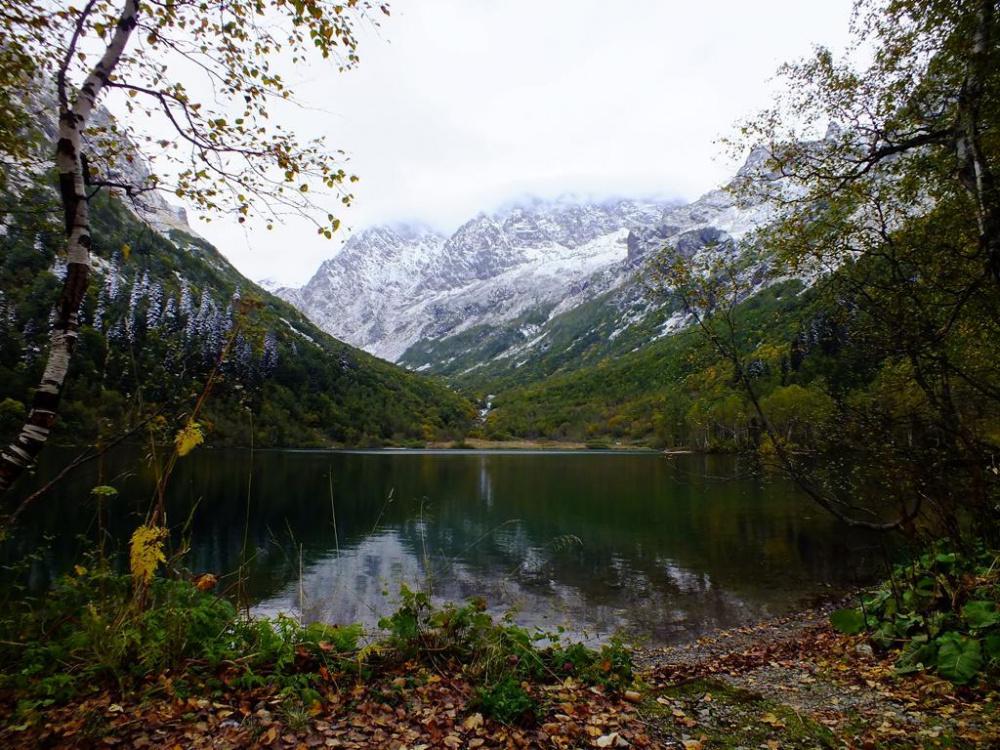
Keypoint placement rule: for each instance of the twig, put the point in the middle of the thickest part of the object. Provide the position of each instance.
(76, 463)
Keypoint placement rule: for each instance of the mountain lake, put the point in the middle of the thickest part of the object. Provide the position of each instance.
(661, 548)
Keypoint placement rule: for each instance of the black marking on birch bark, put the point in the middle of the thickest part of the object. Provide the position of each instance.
(67, 189)
(128, 23)
(73, 291)
(45, 401)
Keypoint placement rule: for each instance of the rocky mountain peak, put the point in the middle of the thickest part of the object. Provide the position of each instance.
(393, 286)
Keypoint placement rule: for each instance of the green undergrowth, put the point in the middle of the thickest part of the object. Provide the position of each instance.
(941, 611)
(89, 635)
(500, 658)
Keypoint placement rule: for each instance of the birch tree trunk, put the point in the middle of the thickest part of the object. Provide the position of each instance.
(975, 172)
(21, 453)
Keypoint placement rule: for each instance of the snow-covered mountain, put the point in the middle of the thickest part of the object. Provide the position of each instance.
(499, 286)
(392, 286)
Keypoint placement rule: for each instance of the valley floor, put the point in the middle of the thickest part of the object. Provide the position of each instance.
(789, 683)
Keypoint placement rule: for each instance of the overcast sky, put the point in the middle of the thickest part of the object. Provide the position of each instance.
(461, 105)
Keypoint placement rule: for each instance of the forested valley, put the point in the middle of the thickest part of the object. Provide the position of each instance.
(577, 472)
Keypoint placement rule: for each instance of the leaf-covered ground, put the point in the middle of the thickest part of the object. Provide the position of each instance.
(418, 709)
(791, 683)
(796, 683)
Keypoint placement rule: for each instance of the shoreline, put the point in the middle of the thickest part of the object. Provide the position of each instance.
(786, 682)
(471, 445)
(525, 445)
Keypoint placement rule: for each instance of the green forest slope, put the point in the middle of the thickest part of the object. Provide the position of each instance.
(677, 391)
(157, 315)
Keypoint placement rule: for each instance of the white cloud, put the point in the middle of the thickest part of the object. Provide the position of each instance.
(460, 105)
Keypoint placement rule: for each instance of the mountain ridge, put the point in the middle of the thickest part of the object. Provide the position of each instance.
(506, 287)
(386, 290)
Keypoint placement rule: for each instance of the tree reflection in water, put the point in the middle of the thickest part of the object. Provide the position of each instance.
(665, 548)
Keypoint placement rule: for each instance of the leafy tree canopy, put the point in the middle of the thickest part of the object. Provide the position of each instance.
(200, 81)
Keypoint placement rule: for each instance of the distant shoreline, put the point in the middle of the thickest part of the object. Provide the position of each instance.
(495, 449)
(534, 445)
(471, 445)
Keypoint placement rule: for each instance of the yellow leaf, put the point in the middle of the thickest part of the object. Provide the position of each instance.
(473, 722)
(79, 570)
(126, 251)
(146, 551)
(772, 720)
(188, 438)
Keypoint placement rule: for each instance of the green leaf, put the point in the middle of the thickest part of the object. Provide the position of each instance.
(981, 614)
(917, 656)
(959, 659)
(936, 622)
(885, 634)
(946, 559)
(926, 586)
(991, 644)
(905, 623)
(848, 621)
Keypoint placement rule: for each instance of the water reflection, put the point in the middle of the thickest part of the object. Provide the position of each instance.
(665, 548)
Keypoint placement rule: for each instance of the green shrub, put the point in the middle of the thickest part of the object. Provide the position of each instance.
(499, 657)
(89, 634)
(941, 611)
(507, 701)
(12, 415)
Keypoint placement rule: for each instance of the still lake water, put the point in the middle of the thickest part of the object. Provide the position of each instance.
(663, 548)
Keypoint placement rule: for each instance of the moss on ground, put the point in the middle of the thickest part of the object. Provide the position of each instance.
(713, 714)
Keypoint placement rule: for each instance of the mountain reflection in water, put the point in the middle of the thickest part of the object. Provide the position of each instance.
(594, 542)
